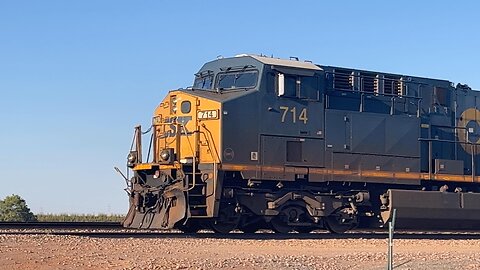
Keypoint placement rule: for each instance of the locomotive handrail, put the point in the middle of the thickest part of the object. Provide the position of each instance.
(333, 89)
(383, 79)
(138, 142)
(150, 144)
(211, 151)
(194, 161)
(214, 148)
(393, 98)
(447, 141)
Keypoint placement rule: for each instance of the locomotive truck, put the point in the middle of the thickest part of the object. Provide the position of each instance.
(261, 142)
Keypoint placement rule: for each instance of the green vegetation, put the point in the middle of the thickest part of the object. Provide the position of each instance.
(79, 218)
(14, 209)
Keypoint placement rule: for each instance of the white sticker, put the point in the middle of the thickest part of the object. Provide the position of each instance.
(210, 114)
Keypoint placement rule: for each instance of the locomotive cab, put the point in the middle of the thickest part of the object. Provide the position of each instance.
(179, 178)
(206, 136)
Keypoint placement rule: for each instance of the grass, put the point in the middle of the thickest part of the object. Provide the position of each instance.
(79, 218)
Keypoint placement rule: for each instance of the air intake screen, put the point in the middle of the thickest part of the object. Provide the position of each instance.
(342, 79)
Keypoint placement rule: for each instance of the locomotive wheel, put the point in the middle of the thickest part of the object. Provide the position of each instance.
(303, 229)
(254, 225)
(250, 228)
(279, 224)
(190, 227)
(251, 222)
(335, 222)
(290, 214)
(227, 220)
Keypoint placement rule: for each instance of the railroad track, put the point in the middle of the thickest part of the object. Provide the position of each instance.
(115, 230)
(61, 225)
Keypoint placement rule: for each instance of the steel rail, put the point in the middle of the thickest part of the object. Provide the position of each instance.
(169, 234)
(60, 225)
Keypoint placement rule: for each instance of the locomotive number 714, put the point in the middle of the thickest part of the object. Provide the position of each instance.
(293, 110)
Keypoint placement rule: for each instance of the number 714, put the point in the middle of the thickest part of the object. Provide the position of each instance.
(301, 117)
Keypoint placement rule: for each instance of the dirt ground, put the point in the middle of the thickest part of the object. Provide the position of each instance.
(178, 251)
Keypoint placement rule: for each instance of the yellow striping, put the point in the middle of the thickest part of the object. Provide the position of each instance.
(378, 174)
(366, 173)
(168, 167)
(232, 167)
(149, 166)
(323, 171)
(411, 175)
(143, 166)
(455, 178)
(272, 168)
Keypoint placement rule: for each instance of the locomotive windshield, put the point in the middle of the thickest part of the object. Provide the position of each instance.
(203, 81)
(239, 79)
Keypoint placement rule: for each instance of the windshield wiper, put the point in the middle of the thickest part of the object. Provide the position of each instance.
(203, 89)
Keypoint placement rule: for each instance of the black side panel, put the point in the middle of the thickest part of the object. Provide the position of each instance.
(372, 147)
(402, 133)
(368, 133)
(279, 153)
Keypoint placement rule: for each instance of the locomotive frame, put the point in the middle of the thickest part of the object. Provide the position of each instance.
(260, 142)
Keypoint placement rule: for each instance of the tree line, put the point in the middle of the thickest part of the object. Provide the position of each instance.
(15, 209)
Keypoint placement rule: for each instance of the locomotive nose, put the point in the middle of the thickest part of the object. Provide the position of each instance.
(174, 123)
(187, 128)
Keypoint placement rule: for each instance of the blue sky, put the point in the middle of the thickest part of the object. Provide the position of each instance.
(77, 76)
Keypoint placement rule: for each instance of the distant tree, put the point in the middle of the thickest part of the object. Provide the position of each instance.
(14, 208)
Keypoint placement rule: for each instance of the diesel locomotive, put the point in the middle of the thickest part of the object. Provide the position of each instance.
(289, 145)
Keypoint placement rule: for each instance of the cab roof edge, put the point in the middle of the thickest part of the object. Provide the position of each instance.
(281, 62)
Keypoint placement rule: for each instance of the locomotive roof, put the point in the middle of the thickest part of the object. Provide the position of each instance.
(289, 63)
(309, 65)
(283, 62)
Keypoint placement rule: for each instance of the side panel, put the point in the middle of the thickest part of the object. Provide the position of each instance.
(285, 158)
(372, 147)
(401, 136)
(240, 131)
(368, 133)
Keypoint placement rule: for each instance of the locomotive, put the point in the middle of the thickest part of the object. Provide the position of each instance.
(289, 145)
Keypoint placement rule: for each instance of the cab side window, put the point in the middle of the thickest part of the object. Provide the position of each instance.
(296, 86)
(309, 87)
(290, 86)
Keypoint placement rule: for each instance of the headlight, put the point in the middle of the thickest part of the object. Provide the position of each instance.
(165, 155)
(173, 104)
(131, 157)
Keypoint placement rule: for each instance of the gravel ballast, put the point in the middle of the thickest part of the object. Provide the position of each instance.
(43, 251)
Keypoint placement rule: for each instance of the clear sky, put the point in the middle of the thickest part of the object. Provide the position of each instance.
(77, 76)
